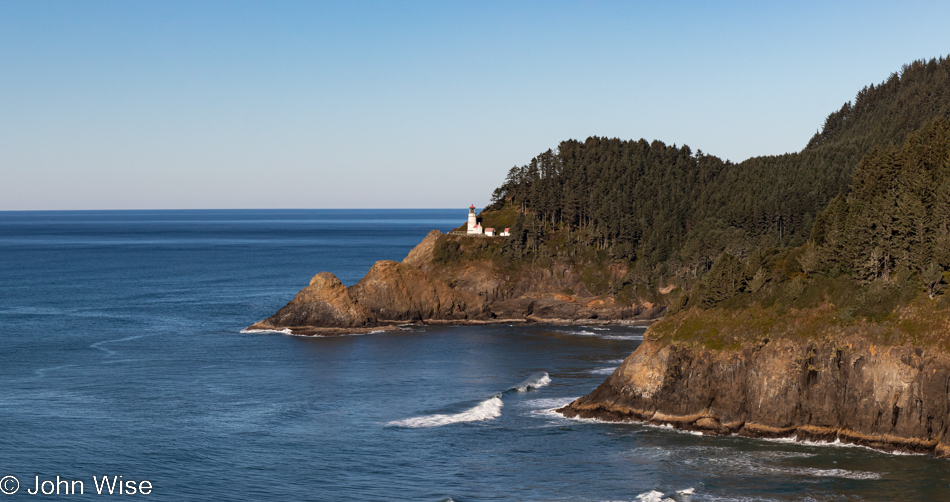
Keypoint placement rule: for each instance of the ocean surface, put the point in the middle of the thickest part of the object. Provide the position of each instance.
(122, 354)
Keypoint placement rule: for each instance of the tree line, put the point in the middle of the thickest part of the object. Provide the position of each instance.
(672, 210)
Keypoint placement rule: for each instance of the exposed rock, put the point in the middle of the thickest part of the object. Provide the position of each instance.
(880, 396)
(419, 289)
(478, 279)
(400, 292)
(549, 281)
(421, 255)
(326, 302)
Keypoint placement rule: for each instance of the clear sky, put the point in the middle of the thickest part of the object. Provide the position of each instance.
(283, 104)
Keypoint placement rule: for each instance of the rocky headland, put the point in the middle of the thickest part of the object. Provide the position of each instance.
(796, 375)
(807, 293)
(418, 289)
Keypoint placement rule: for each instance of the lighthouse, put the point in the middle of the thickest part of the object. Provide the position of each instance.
(473, 226)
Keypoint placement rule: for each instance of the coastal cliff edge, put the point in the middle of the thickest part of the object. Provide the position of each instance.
(420, 290)
(849, 387)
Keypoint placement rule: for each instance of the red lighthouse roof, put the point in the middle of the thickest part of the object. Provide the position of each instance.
(472, 207)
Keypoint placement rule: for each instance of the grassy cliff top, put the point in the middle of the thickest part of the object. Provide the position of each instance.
(921, 322)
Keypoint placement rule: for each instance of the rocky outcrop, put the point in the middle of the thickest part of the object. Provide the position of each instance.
(325, 302)
(418, 289)
(888, 397)
(421, 255)
(400, 292)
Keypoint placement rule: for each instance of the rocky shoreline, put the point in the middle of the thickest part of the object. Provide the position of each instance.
(894, 398)
(418, 290)
(795, 376)
(384, 326)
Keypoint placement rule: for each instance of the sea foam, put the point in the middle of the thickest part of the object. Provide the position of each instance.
(658, 496)
(535, 381)
(838, 443)
(653, 496)
(109, 352)
(602, 371)
(485, 410)
(285, 331)
(288, 331)
(602, 334)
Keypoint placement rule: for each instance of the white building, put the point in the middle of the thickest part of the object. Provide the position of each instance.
(473, 226)
(476, 228)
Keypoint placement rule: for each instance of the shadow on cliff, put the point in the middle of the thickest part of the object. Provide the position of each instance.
(420, 290)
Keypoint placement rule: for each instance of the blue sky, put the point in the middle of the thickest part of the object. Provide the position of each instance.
(282, 104)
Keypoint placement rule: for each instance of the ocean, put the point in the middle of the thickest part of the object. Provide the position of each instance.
(123, 358)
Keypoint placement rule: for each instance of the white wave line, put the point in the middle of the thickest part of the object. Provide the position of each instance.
(603, 336)
(41, 372)
(109, 353)
(535, 381)
(285, 331)
(486, 410)
(602, 371)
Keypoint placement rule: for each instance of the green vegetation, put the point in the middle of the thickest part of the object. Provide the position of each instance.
(453, 249)
(896, 219)
(919, 321)
(855, 226)
(677, 211)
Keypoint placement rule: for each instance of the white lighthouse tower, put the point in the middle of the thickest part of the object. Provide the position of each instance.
(473, 226)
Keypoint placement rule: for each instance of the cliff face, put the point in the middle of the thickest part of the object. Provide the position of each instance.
(889, 397)
(401, 292)
(417, 289)
(324, 302)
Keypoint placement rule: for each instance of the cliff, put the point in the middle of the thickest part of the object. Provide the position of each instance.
(324, 302)
(420, 288)
(615, 230)
(868, 384)
(806, 290)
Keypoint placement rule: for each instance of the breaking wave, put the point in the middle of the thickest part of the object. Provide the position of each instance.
(603, 334)
(288, 331)
(622, 337)
(687, 496)
(285, 331)
(485, 410)
(838, 443)
(545, 407)
(822, 473)
(533, 382)
(546, 404)
(658, 496)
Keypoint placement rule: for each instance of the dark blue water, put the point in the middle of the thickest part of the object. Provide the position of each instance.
(122, 355)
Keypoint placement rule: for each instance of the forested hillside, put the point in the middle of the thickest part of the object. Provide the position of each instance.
(670, 211)
(897, 215)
